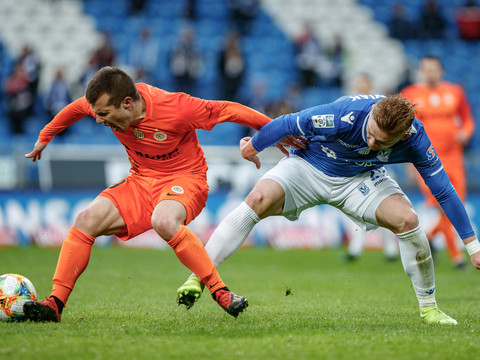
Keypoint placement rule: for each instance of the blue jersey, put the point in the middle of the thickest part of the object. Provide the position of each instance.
(338, 147)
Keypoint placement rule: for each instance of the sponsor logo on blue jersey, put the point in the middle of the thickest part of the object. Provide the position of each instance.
(431, 153)
(348, 118)
(323, 121)
(350, 146)
(330, 153)
(378, 176)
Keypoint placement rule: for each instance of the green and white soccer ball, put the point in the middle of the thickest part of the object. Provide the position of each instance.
(15, 290)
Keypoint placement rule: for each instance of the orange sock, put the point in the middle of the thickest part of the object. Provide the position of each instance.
(436, 229)
(448, 231)
(73, 259)
(191, 252)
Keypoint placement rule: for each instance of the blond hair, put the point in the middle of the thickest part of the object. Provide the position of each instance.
(394, 114)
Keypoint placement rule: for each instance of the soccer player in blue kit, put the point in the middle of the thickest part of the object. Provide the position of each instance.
(349, 142)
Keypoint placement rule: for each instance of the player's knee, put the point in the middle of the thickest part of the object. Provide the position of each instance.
(408, 221)
(166, 227)
(256, 200)
(86, 221)
(255, 197)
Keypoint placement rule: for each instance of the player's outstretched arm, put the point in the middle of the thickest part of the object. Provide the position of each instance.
(36, 153)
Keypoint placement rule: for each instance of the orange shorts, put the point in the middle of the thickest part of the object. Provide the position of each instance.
(136, 196)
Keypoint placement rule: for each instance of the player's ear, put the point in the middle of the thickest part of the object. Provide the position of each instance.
(406, 136)
(127, 102)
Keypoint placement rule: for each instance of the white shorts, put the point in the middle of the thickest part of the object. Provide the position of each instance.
(358, 196)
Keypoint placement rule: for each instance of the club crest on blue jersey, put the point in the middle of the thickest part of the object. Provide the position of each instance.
(364, 189)
(323, 121)
(384, 155)
(431, 153)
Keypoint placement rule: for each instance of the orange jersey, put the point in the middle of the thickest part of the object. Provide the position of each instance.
(443, 111)
(165, 141)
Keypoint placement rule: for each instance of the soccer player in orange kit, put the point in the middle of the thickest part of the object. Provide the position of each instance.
(443, 109)
(167, 187)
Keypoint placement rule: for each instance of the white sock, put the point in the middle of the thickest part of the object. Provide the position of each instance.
(390, 244)
(418, 264)
(231, 233)
(357, 242)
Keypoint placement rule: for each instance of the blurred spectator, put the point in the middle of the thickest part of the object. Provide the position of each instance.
(363, 84)
(57, 97)
(136, 6)
(31, 66)
(105, 54)
(258, 100)
(400, 27)
(309, 57)
(186, 63)
(258, 96)
(431, 24)
(293, 97)
(140, 76)
(144, 52)
(468, 21)
(91, 68)
(20, 98)
(335, 62)
(232, 66)
(190, 10)
(242, 12)
(290, 103)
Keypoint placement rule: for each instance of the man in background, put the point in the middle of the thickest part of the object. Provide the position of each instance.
(443, 109)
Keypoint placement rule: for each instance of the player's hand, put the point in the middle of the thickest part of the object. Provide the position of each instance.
(297, 142)
(462, 138)
(248, 151)
(475, 258)
(36, 153)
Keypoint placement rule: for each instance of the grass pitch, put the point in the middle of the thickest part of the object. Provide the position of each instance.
(123, 307)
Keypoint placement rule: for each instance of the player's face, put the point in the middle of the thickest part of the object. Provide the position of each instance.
(119, 119)
(431, 72)
(378, 139)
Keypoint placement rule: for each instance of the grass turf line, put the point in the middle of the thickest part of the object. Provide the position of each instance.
(124, 307)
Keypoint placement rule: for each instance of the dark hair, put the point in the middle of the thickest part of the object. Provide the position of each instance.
(394, 114)
(114, 82)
